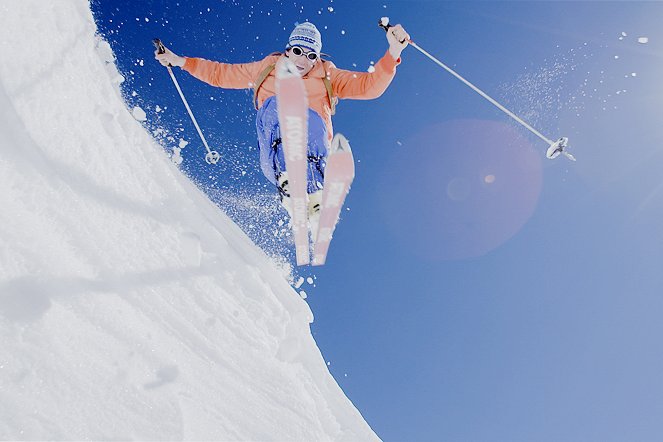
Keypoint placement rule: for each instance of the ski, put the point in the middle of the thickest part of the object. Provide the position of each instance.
(293, 120)
(339, 173)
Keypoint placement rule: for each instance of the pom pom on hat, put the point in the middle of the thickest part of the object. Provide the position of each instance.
(306, 35)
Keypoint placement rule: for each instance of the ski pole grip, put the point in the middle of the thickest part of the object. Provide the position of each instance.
(161, 49)
(384, 24)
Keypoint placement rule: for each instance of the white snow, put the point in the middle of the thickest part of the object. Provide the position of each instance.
(643, 40)
(130, 306)
(139, 114)
(177, 156)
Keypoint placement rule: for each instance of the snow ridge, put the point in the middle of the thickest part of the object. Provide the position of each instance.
(130, 306)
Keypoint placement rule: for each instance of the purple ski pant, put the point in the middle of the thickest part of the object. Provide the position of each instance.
(272, 160)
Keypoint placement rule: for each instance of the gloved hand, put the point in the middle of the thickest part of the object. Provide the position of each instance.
(398, 40)
(169, 57)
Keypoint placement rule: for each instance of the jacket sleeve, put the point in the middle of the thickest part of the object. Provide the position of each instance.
(225, 75)
(364, 85)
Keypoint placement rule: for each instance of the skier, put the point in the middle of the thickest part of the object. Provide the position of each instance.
(324, 84)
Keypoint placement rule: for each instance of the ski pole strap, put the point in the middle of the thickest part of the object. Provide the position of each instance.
(261, 79)
(330, 94)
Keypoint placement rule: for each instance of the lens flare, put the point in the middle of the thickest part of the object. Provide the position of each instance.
(464, 188)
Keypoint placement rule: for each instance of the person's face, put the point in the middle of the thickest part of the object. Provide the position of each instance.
(303, 59)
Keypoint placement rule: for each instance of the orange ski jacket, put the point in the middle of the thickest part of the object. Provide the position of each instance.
(345, 84)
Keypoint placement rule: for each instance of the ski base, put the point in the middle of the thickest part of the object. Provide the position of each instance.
(339, 173)
(293, 121)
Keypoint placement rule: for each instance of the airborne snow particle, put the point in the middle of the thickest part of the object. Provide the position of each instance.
(139, 114)
(177, 158)
(643, 40)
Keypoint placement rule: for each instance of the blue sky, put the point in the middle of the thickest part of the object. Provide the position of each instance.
(474, 290)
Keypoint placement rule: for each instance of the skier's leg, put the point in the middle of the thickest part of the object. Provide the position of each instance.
(269, 135)
(318, 149)
(317, 152)
(272, 159)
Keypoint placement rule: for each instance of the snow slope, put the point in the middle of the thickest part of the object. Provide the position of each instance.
(130, 306)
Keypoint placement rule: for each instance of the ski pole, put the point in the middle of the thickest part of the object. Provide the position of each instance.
(212, 156)
(555, 147)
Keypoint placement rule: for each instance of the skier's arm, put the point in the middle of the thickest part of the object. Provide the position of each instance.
(364, 85)
(225, 75)
(369, 85)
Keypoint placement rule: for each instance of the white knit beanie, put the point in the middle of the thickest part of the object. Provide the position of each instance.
(306, 35)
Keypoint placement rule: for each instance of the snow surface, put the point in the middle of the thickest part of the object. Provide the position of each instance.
(130, 306)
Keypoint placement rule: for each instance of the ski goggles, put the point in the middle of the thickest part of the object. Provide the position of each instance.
(299, 52)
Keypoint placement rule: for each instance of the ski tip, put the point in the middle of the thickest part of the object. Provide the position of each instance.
(286, 69)
(302, 254)
(340, 144)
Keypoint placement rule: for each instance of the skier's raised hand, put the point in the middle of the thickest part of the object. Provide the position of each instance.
(398, 40)
(169, 58)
